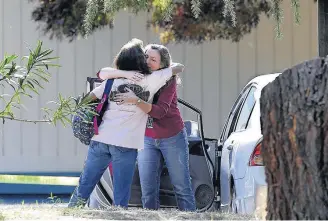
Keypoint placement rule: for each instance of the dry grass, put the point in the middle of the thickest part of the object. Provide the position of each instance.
(59, 212)
(2, 217)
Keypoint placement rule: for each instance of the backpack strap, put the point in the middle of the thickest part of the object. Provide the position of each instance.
(108, 87)
(102, 104)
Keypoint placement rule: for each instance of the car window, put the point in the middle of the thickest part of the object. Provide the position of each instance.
(254, 120)
(246, 111)
(230, 124)
(234, 119)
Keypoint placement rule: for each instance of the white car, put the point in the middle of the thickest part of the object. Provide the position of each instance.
(242, 178)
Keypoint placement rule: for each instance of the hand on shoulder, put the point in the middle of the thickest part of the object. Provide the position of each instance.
(177, 68)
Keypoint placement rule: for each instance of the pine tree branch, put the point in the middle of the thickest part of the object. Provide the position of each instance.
(229, 9)
(296, 8)
(195, 7)
(277, 13)
(90, 15)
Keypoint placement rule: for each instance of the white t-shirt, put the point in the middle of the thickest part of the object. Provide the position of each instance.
(124, 125)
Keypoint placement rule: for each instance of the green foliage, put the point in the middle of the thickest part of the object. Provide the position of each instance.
(277, 14)
(54, 199)
(73, 18)
(193, 21)
(27, 80)
(65, 18)
(163, 8)
(296, 7)
(110, 8)
(228, 19)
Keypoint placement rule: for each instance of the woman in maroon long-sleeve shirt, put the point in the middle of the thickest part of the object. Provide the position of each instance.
(165, 139)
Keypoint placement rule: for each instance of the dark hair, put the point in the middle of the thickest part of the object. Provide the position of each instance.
(132, 57)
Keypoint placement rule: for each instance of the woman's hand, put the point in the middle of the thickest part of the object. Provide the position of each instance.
(126, 98)
(177, 68)
(134, 76)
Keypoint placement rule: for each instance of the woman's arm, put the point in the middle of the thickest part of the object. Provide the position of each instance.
(174, 69)
(162, 106)
(158, 110)
(111, 73)
(144, 106)
(131, 98)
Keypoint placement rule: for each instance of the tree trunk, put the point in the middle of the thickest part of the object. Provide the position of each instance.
(294, 121)
(323, 27)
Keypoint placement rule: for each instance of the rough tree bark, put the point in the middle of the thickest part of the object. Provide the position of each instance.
(322, 27)
(294, 121)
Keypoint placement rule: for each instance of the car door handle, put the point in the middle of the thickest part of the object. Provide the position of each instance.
(230, 147)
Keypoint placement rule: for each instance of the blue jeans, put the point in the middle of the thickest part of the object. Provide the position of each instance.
(99, 156)
(175, 152)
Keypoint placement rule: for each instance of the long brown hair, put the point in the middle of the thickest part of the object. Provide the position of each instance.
(132, 57)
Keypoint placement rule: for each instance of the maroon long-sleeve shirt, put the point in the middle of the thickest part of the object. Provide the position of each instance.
(164, 118)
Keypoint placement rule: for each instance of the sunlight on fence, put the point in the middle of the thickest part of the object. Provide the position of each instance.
(43, 180)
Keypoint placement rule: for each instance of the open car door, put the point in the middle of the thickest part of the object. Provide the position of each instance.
(204, 165)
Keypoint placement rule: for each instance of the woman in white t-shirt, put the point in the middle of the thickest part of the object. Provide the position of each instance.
(121, 132)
